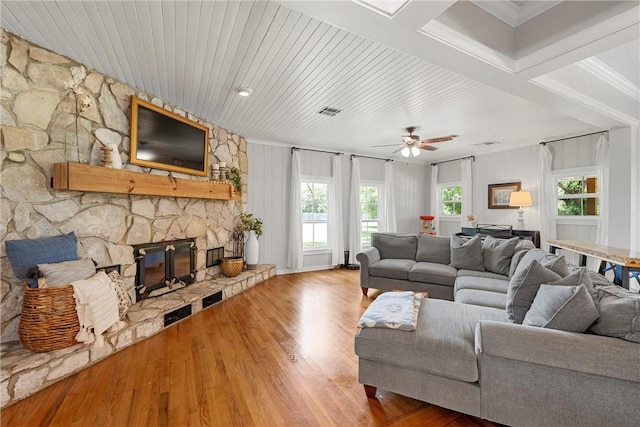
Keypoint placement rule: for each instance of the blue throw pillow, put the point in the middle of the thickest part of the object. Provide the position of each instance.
(26, 254)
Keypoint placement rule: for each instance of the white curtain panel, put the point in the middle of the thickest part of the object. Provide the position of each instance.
(467, 191)
(602, 160)
(433, 202)
(336, 229)
(355, 242)
(388, 220)
(546, 197)
(295, 253)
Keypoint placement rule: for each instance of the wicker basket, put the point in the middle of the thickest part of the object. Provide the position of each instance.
(231, 266)
(49, 320)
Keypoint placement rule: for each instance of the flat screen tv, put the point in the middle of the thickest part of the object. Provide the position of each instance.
(164, 140)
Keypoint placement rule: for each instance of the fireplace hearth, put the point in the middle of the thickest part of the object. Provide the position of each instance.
(163, 267)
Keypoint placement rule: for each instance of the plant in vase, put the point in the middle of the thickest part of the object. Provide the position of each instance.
(236, 180)
(252, 226)
(82, 103)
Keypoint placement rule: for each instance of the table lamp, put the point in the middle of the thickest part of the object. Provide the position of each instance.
(520, 199)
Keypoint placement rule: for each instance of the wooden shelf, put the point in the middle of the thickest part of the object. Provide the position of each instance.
(79, 177)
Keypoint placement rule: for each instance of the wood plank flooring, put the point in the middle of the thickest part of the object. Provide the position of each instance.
(279, 354)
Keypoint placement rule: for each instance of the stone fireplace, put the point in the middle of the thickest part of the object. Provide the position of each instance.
(110, 227)
(164, 267)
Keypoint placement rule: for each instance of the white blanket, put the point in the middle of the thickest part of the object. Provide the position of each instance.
(97, 307)
(394, 310)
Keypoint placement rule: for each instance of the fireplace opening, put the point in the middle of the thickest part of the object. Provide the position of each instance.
(164, 267)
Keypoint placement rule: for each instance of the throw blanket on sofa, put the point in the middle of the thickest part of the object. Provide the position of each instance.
(394, 310)
(97, 307)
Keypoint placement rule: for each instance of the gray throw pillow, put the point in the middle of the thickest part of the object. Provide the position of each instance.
(497, 253)
(566, 308)
(63, 273)
(396, 246)
(523, 288)
(466, 254)
(534, 254)
(579, 276)
(557, 264)
(619, 310)
(434, 249)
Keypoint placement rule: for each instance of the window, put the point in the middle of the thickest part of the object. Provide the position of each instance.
(314, 214)
(450, 199)
(369, 197)
(577, 195)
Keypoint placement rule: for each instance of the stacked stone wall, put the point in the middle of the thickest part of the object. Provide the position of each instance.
(37, 111)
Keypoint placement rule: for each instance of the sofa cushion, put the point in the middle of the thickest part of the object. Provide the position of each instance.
(431, 272)
(466, 254)
(557, 264)
(26, 254)
(533, 255)
(566, 308)
(443, 343)
(482, 284)
(497, 253)
(619, 311)
(484, 274)
(481, 298)
(434, 249)
(392, 268)
(523, 287)
(577, 277)
(397, 246)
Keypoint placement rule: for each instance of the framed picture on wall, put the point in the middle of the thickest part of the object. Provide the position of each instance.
(499, 195)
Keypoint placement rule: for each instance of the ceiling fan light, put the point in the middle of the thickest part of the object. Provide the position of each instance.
(415, 151)
(405, 151)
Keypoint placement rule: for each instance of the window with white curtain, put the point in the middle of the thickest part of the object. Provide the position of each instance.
(450, 199)
(314, 198)
(577, 193)
(370, 193)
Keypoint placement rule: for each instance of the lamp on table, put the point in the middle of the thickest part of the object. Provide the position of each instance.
(520, 199)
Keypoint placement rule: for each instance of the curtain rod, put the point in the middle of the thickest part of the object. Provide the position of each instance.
(473, 158)
(317, 151)
(368, 157)
(572, 137)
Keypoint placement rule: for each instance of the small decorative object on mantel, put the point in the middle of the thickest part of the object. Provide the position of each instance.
(236, 179)
(75, 135)
(215, 172)
(111, 156)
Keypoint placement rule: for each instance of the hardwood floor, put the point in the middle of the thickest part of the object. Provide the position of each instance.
(279, 354)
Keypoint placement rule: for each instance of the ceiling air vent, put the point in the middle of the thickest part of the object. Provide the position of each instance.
(328, 111)
(487, 143)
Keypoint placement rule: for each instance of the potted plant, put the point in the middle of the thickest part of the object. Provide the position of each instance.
(252, 226)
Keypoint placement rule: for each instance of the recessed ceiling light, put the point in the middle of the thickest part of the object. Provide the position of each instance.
(244, 91)
(487, 143)
(328, 111)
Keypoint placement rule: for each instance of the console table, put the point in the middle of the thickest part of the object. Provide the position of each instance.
(502, 232)
(629, 260)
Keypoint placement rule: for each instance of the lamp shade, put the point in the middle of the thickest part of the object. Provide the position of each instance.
(520, 198)
(406, 151)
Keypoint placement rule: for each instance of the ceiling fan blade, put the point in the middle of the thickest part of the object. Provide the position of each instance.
(395, 151)
(427, 147)
(438, 139)
(387, 145)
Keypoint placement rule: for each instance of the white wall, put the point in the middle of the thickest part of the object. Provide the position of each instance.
(269, 190)
(521, 165)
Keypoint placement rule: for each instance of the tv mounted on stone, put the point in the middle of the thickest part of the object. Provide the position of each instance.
(161, 139)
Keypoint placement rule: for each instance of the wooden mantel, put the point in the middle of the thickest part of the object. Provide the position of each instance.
(78, 177)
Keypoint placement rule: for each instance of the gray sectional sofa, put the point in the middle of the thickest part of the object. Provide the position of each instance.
(470, 355)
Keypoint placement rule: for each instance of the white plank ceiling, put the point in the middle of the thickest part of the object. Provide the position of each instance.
(299, 57)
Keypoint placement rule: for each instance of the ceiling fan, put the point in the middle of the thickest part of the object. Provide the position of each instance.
(411, 144)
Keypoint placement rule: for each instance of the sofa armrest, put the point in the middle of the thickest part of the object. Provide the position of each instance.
(367, 257)
(587, 353)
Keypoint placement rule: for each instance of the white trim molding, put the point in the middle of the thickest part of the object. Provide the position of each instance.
(455, 39)
(565, 91)
(610, 76)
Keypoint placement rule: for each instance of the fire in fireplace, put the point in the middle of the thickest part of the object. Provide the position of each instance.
(164, 267)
